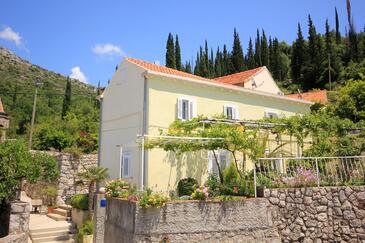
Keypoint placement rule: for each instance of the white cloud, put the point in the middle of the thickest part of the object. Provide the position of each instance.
(108, 50)
(76, 73)
(10, 35)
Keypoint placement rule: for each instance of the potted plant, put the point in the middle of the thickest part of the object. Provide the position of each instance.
(51, 193)
(85, 232)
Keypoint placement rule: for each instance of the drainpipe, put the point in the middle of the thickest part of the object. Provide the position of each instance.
(144, 130)
(100, 99)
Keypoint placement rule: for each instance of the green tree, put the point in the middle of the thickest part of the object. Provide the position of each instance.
(187, 67)
(299, 57)
(250, 60)
(218, 64)
(258, 60)
(237, 57)
(90, 177)
(18, 164)
(177, 53)
(67, 99)
(264, 50)
(170, 52)
(338, 33)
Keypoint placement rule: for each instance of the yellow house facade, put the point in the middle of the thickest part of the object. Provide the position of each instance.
(143, 98)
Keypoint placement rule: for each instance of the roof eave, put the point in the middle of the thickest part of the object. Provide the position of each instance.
(150, 73)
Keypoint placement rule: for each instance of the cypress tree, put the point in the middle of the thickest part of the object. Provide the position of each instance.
(226, 62)
(250, 56)
(67, 99)
(177, 53)
(298, 58)
(170, 52)
(218, 63)
(206, 58)
(264, 50)
(338, 33)
(197, 65)
(275, 59)
(258, 61)
(237, 54)
(271, 54)
(187, 67)
(211, 65)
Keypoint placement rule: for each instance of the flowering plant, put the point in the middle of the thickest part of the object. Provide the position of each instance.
(302, 177)
(117, 188)
(200, 193)
(152, 199)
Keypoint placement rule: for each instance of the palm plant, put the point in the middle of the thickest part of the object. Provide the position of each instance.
(90, 177)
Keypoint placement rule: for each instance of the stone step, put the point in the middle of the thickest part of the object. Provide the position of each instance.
(65, 207)
(49, 233)
(56, 228)
(51, 238)
(61, 212)
(57, 217)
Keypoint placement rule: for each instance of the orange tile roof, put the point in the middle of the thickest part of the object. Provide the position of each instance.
(314, 96)
(161, 69)
(1, 107)
(241, 77)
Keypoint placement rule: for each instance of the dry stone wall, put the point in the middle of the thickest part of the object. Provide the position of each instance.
(19, 223)
(69, 167)
(326, 214)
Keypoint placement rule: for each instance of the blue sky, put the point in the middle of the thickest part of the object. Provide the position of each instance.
(90, 37)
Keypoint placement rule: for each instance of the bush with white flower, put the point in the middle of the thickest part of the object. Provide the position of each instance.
(200, 193)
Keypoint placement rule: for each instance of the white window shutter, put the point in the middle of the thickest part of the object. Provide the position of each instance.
(236, 113)
(192, 109)
(179, 109)
(210, 161)
(225, 111)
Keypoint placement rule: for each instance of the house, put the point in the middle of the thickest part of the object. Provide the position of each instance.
(143, 98)
(4, 122)
(319, 96)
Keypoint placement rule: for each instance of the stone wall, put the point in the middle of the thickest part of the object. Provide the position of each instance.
(327, 214)
(19, 223)
(69, 167)
(190, 221)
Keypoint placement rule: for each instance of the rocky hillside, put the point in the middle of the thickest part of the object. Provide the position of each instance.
(17, 77)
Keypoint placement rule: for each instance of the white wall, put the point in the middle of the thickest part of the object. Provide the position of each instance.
(264, 82)
(122, 119)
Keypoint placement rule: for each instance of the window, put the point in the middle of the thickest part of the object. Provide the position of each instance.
(271, 114)
(223, 160)
(126, 165)
(231, 112)
(186, 109)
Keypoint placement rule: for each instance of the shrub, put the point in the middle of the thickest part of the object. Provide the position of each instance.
(213, 184)
(87, 228)
(186, 186)
(119, 188)
(200, 193)
(152, 199)
(80, 201)
(51, 194)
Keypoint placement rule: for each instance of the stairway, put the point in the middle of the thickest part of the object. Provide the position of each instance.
(61, 213)
(52, 228)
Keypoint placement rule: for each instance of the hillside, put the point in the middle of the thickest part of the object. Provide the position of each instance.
(17, 77)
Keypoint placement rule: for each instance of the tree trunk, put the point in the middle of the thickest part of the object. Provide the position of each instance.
(236, 163)
(91, 200)
(219, 167)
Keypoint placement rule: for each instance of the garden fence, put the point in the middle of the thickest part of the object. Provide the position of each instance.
(309, 171)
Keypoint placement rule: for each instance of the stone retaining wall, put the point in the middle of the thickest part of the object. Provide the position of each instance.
(190, 221)
(69, 167)
(19, 223)
(328, 214)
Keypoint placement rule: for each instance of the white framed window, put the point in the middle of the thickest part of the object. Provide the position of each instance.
(271, 114)
(125, 165)
(231, 112)
(186, 108)
(223, 160)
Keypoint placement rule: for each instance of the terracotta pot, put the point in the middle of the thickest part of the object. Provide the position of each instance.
(50, 209)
